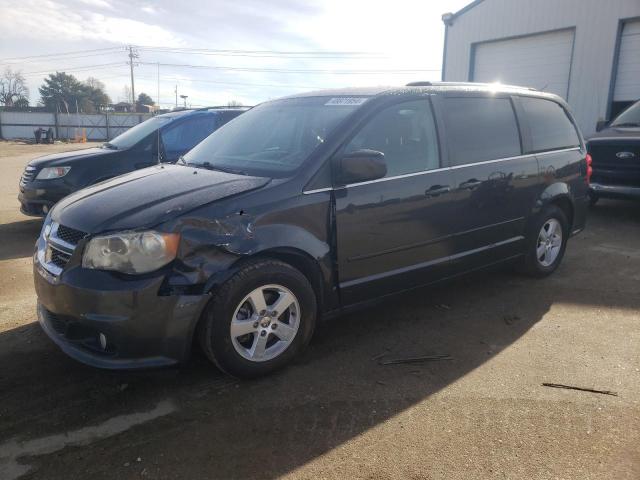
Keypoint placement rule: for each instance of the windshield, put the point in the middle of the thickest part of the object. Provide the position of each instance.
(630, 117)
(137, 133)
(273, 139)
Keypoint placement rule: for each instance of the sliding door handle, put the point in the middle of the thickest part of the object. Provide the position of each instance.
(437, 190)
(470, 184)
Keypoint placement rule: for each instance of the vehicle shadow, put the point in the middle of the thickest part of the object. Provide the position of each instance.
(264, 428)
(17, 239)
(337, 389)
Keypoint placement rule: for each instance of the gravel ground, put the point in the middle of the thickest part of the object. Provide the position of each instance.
(337, 413)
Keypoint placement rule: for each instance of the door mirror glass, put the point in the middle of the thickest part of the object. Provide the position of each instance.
(601, 125)
(361, 166)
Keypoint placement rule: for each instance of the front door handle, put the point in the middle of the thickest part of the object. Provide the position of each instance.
(470, 184)
(437, 190)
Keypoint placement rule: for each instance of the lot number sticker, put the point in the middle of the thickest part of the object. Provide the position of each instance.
(339, 101)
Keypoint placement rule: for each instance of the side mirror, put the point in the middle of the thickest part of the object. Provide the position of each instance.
(361, 166)
(601, 125)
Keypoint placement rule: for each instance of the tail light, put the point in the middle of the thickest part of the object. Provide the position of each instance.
(589, 168)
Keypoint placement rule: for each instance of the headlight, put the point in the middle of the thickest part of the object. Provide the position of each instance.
(131, 252)
(52, 172)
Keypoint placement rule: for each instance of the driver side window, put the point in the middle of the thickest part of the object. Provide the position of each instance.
(405, 133)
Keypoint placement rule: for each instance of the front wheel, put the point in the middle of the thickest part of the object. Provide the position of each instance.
(546, 242)
(259, 319)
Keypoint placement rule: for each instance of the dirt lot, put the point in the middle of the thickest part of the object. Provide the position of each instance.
(337, 413)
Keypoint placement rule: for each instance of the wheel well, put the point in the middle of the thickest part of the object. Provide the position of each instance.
(566, 206)
(301, 261)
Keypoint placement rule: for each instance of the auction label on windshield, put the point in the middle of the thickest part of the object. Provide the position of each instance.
(338, 101)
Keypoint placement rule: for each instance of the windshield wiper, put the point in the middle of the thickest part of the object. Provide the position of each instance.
(210, 166)
(110, 146)
(626, 124)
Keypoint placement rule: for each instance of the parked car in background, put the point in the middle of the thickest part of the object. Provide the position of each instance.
(304, 207)
(164, 138)
(615, 151)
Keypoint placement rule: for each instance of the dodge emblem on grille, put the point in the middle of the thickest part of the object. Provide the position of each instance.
(625, 155)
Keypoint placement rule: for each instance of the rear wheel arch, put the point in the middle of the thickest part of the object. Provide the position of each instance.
(564, 203)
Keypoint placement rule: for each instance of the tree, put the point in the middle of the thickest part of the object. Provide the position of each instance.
(126, 92)
(22, 102)
(61, 91)
(12, 87)
(96, 98)
(234, 103)
(143, 99)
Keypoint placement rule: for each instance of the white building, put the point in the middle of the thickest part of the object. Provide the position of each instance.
(586, 51)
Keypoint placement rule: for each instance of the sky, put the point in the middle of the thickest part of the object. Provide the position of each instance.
(215, 52)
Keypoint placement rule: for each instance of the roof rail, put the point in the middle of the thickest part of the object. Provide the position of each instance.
(220, 107)
(462, 84)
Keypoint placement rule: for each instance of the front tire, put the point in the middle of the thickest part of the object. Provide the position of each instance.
(546, 242)
(259, 319)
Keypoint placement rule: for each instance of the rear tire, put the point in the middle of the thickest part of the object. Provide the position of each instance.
(593, 199)
(259, 319)
(546, 242)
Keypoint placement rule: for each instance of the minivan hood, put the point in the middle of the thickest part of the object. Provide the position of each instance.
(69, 158)
(147, 197)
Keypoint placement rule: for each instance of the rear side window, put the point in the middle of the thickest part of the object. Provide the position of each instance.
(549, 125)
(480, 129)
(405, 133)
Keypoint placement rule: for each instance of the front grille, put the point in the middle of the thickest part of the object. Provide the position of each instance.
(70, 235)
(28, 175)
(58, 322)
(77, 332)
(58, 258)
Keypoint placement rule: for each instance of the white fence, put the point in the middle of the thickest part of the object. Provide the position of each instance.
(99, 126)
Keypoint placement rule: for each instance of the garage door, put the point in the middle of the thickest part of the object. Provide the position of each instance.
(540, 61)
(628, 74)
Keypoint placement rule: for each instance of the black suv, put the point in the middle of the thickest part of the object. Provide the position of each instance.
(346, 197)
(615, 151)
(163, 138)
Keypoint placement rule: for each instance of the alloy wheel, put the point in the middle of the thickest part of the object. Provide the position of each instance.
(265, 323)
(549, 242)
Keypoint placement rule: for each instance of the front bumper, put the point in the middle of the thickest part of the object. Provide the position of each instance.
(142, 328)
(614, 191)
(36, 198)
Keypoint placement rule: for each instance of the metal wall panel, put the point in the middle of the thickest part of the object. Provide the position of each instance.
(540, 61)
(628, 72)
(22, 124)
(596, 25)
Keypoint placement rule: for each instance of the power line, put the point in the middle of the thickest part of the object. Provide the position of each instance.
(274, 52)
(258, 54)
(45, 60)
(285, 70)
(60, 54)
(75, 69)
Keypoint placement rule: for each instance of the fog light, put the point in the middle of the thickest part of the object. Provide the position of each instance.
(103, 341)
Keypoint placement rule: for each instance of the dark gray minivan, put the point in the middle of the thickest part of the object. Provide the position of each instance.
(302, 207)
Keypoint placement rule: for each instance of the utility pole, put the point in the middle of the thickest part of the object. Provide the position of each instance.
(158, 87)
(132, 54)
(176, 90)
